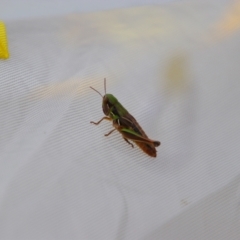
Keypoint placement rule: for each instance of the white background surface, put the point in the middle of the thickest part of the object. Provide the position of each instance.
(176, 69)
(11, 9)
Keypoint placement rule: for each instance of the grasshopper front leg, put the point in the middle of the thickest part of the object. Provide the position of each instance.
(104, 118)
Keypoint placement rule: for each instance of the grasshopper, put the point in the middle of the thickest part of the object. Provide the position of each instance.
(125, 123)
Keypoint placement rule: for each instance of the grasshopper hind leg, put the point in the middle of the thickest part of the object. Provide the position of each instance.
(128, 142)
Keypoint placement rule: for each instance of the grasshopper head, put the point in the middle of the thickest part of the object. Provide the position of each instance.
(108, 101)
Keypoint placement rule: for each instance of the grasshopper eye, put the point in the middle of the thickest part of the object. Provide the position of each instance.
(105, 106)
(106, 110)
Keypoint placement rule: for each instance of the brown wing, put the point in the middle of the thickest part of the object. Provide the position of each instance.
(129, 122)
(147, 148)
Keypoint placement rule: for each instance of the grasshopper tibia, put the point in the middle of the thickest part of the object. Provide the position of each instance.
(110, 132)
(128, 142)
(104, 118)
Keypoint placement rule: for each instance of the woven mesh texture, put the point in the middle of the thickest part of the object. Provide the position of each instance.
(176, 70)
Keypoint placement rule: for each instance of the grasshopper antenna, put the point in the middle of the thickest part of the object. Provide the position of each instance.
(97, 91)
(105, 85)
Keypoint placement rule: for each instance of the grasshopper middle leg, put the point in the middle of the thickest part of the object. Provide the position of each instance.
(109, 132)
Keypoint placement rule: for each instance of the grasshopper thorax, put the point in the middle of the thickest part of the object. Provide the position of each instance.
(108, 103)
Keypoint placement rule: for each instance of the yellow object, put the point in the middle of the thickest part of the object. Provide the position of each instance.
(3, 42)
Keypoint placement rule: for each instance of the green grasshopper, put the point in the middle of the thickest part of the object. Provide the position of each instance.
(125, 123)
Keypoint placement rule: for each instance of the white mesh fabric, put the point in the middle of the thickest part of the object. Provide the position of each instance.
(176, 69)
